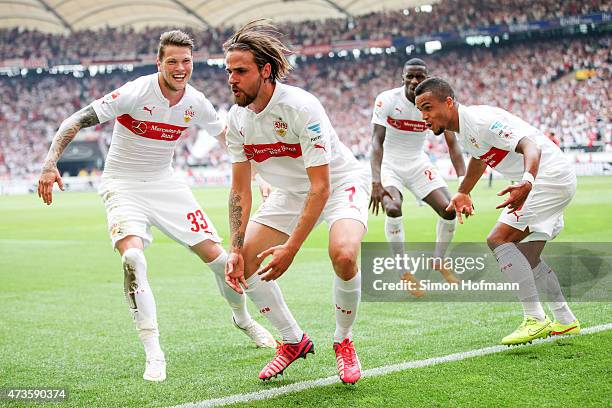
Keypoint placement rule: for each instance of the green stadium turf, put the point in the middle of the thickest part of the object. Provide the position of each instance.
(64, 321)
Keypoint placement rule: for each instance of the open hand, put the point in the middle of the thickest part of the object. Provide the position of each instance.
(376, 199)
(518, 194)
(462, 204)
(282, 256)
(49, 176)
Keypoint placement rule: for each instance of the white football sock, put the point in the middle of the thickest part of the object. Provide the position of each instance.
(394, 232)
(347, 295)
(236, 301)
(516, 268)
(445, 231)
(547, 283)
(269, 300)
(141, 302)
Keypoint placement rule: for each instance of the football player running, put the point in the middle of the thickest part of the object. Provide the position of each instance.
(139, 188)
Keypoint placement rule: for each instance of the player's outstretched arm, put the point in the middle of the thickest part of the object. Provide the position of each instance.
(454, 152)
(49, 174)
(378, 191)
(240, 201)
(282, 255)
(520, 191)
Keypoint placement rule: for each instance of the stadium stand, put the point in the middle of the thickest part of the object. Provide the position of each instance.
(559, 84)
(466, 15)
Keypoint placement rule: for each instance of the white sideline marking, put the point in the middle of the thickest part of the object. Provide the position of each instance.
(373, 372)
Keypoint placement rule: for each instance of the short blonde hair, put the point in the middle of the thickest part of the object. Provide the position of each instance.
(174, 37)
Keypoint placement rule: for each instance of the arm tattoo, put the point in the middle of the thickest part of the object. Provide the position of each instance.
(235, 210)
(86, 117)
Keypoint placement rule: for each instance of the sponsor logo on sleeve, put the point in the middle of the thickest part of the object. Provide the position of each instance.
(378, 108)
(315, 128)
(316, 136)
(501, 129)
(111, 97)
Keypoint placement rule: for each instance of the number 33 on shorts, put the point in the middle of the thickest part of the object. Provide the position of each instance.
(198, 221)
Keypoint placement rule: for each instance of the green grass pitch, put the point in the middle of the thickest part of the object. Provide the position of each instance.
(64, 321)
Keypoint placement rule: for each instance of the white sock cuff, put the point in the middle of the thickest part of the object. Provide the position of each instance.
(221, 259)
(253, 279)
(133, 255)
(449, 222)
(393, 220)
(350, 285)
(504, 248)
(218, 265)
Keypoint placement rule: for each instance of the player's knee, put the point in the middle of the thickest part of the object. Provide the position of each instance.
(344, 261)
(447, 215)
(495, 239)
(393, 210)
(251, 262)
(133, 258)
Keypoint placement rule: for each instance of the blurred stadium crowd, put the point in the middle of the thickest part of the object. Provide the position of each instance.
(560, 85)
(445, 16)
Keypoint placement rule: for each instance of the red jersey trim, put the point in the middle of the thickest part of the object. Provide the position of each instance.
(262, 152)
(407, 124)
(151, 130)
(494, 156)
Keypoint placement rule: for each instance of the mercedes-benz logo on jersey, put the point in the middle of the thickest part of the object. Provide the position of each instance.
(249, 152)
(139, 127)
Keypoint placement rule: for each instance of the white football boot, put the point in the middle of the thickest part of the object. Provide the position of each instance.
(259, 334)
(155, 370)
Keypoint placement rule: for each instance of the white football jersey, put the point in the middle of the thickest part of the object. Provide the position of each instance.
(147, 128)
(491, 135)
(291, 134)
(406, 130)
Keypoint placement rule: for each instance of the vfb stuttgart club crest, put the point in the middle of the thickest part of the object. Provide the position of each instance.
(280, 127)
(189, 114)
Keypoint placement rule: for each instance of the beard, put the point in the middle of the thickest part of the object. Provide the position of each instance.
(245, 99)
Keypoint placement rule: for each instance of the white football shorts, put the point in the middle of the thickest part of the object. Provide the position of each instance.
(420, 176)
(542, 212)
(132, 207)
(348, 200)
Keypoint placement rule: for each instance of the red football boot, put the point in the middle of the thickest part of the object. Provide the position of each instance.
(349, 368)
(285, 355)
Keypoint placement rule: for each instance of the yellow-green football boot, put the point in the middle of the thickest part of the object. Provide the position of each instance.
(529, 330)
(560, 329)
